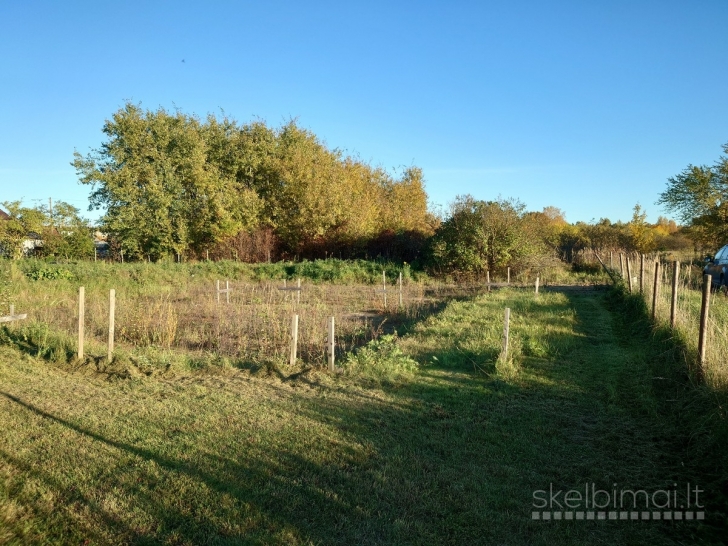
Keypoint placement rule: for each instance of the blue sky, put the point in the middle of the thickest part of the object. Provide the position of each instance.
(585, 106)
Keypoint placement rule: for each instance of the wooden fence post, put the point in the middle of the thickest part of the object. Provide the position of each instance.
(621, 264)
(673, 301)
(298, 292)
(537, 279)
(629, 275)
(81, 320)
(508, 281)
(655, 289)
(112, 311)
(703, 336)
(331, 345)
(611, 260)
(487, 279)
(400, 289)
(294, 339)
(384, 286)
(506, 330)
(642, 273)
(218, 291)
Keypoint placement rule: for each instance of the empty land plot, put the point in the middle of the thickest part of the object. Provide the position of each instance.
(450, 453)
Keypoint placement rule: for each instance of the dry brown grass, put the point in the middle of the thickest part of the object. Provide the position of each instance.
(254, 327)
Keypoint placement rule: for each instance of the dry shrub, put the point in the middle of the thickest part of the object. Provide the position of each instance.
(249, 247)
(148, 321)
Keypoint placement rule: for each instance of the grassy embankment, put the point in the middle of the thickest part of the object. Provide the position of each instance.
(425, 440)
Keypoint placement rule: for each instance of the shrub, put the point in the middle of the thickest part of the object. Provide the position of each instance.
(41, 273)
(381, 358)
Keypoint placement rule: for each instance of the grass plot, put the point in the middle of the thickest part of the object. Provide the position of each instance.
(449, 448)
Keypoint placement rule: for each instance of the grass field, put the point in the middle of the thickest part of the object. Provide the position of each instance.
(427, 438)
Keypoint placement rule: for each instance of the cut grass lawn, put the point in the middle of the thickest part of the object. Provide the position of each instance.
(450, 452)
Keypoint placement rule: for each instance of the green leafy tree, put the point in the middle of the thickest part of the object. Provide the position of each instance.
(65, 233)
(24, 224)
(161, 194)
(484, 235)
(171, 183)
(699, 197)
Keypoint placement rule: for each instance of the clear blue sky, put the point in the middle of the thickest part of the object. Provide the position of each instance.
(588, 106)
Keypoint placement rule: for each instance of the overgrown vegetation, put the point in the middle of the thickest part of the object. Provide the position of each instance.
(169, 318)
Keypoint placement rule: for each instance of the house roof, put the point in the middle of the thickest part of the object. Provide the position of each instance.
(4, 215)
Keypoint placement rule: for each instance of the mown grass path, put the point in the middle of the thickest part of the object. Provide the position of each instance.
(449, 454)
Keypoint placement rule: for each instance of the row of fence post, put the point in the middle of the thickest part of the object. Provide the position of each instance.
(297, 289)
(330, 341)
(704, 305)
(330, 337)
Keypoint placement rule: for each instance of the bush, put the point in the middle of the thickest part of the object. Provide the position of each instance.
(381, 358)
(41, 273)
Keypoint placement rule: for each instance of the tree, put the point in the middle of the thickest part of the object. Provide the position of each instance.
(23, 224)
(484, 235)
(548, 224)
(699, 197)
(161, 194)
(572, 239)
(172, 183)
(65, 233)
(60, 233)
(641, 235)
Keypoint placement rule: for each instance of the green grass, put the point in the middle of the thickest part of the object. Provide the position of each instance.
(329, 271)
(445, 451)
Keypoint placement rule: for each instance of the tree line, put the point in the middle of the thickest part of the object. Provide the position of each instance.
(479, 236)
(172, 184)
